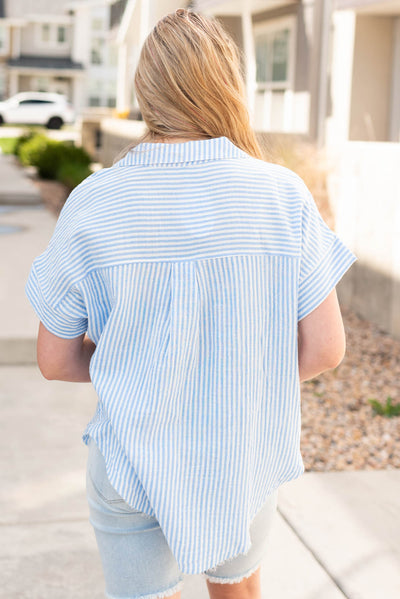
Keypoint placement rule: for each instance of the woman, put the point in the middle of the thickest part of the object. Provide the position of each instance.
(194, 284)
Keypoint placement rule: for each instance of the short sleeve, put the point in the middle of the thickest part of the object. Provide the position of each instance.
(52, 286)
(324, 259)
(68, 319)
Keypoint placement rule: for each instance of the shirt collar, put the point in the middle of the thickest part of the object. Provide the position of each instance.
(152, 153)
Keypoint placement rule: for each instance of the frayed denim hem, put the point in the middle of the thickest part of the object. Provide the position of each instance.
(159, 594)
(224, 580)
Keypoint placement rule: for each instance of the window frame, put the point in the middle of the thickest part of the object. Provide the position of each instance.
(101, 53)
(57, 28)
(53, 35)
(273, 26)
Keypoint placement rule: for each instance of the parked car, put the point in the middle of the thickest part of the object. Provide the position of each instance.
(37, 108)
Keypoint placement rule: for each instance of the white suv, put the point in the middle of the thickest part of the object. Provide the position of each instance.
(37, 108)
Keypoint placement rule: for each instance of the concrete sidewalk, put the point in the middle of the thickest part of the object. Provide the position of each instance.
(15, 185)
(18, 323)
(336, 535)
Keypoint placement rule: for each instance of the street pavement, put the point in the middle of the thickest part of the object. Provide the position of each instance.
(336, 535)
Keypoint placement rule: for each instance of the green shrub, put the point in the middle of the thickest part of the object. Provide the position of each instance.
(30, 149)
(55, 159)
(19, 141)
(48, 155)
(75, 154)
(56, 154)
(72, 173)
(50, 158)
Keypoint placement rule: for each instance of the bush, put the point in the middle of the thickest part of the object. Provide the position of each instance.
(72, 173)
(30, 149)
(49, 159)
(48, 155)
(19, 142)
(56, 154)
(75, 154)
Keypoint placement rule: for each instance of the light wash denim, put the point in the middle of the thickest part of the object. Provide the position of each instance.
(137, 561)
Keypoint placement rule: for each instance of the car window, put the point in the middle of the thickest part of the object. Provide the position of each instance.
(25, 102)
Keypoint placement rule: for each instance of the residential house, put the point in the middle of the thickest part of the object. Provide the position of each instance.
(62, 47)
(96, 49)
(40, 40)
(329, 68)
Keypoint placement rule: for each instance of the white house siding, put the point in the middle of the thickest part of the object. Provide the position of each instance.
(372, 78)
(31, 43)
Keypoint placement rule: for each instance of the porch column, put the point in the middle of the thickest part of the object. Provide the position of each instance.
(338, 125)
(250, 60)
(123, 79)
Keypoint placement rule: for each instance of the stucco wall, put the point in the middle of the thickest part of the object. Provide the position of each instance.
(372, 77)
(364, 191)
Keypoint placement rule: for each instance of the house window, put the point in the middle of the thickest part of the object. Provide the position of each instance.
(95, 92)
(61, 34)
(94, 101)
(51, 34)
(45, 33)
(97, 50)
(274, 50)
(273, 56)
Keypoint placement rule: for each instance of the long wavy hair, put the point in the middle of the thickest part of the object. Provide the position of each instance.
(189, 84)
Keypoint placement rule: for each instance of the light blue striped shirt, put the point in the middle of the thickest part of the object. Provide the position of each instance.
(189, 265)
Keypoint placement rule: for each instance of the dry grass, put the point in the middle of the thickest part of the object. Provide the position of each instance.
(307, 161)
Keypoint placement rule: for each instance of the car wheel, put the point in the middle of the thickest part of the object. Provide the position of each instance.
(55, 123)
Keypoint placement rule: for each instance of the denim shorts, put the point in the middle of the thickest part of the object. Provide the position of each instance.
(137, 561)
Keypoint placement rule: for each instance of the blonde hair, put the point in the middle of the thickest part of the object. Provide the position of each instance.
(189, 85)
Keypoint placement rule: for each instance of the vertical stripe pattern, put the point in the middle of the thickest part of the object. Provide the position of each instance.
(190, 265)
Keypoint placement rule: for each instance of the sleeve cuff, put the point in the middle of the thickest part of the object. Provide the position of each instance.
(318, 285)
(55, 320)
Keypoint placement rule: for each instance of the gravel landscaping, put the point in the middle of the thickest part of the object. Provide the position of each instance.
(340, 430)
